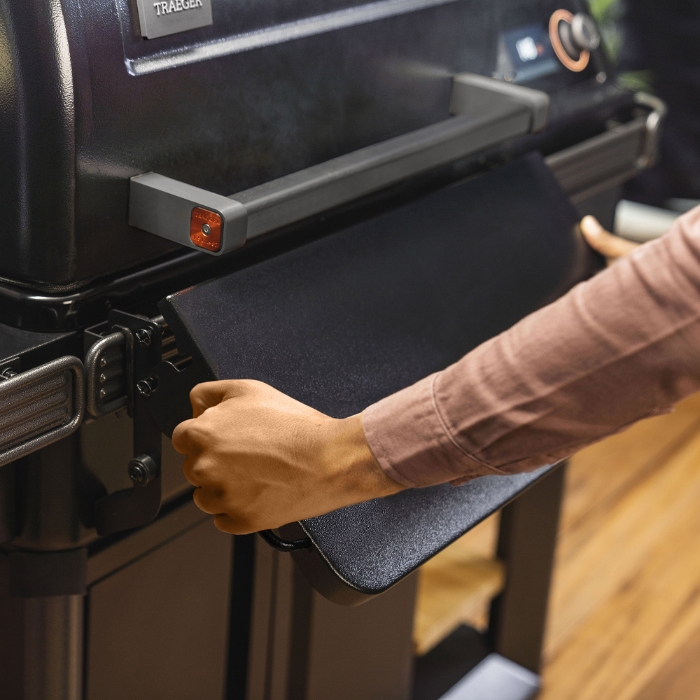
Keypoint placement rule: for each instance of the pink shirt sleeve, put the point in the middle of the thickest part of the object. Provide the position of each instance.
(620, 347)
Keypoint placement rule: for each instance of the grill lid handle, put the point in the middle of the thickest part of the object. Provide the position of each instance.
(486, 112)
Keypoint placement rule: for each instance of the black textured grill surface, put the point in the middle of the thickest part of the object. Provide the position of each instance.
(347, 320)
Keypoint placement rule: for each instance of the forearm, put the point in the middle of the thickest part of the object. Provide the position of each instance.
(620, 347)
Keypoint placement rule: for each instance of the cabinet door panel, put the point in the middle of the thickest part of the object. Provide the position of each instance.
(158, 628)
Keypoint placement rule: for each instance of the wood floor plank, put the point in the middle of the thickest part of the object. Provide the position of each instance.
(456, 586)
(637, 587)
(601, 474)
(606, 533)
(679, 678)
(458, 593)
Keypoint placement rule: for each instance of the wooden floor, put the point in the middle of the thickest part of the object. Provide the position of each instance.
(625, 616)
(624, 621)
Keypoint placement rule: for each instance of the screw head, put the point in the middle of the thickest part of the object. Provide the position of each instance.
(144, 336)
(206, 229)
(142, 470)
(144, 388)
(138, 473)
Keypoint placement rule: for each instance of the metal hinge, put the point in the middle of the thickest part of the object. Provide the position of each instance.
(109, 369)
(133, 363)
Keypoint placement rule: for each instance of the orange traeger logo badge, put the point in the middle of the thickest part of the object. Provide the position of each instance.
(205, 229)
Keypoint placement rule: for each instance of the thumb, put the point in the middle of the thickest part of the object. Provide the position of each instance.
(604, 242)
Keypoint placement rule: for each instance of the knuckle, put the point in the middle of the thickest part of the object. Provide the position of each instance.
(187, 469)
(199, 469)
(181, 437)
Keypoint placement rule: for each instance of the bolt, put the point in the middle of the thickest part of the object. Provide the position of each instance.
(103, 362)
(147, 387)
(142, 470)
(103, 394)
(138, 473)
(144, 336)
(206, 229)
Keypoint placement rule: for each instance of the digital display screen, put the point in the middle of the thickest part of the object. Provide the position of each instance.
(526, 54)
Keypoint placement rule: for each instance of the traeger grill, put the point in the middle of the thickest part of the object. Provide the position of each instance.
(407, 179)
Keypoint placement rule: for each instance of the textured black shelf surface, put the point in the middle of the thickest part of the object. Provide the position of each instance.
(346, 320)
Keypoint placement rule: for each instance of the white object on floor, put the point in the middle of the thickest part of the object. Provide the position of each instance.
(640, 222)
(495, 678)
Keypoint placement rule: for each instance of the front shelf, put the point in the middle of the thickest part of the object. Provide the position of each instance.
(457, 586)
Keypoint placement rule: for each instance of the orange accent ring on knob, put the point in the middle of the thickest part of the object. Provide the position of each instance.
(559, 50)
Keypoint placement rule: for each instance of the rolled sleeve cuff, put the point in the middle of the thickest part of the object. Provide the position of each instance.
(411, 443)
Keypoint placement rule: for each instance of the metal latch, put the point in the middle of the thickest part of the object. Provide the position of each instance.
(40, 406)
(134, 363)
(138, 341)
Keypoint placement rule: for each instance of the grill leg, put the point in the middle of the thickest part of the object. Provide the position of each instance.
(527, 541)
(53, 648)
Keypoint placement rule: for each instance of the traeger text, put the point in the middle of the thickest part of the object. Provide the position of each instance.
(165, 8)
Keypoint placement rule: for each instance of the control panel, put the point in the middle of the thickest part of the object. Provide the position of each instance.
(562, 45)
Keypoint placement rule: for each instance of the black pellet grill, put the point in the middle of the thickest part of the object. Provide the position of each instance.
(409, 175)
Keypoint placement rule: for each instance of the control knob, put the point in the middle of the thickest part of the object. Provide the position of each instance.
(573, 38)
(579, 35)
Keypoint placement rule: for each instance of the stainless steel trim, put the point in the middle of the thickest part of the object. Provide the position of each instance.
(653, 127)
(92, 372)
(613, 157)
(488, 113)
(163, 206)
(289, 31)
(10, 388)
(601, 162)
(53, 646)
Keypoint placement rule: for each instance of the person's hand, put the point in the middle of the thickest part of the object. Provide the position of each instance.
(260, 459)
(604, 242)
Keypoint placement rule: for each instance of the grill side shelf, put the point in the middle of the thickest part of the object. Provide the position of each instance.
(350, 318)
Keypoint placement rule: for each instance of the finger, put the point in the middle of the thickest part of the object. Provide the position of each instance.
(206, 395)
(183, 438)
(210, 394)
(209, 500)
(603, 241)
(190, 474)
(226, 523)
(199, 473)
